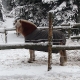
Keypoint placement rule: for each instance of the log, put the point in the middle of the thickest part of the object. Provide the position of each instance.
(57, 27)
(2, 30)
(10, 29)
(76, 25)
(65, 24)
(75, 37)
(65, 47)
(35, 46)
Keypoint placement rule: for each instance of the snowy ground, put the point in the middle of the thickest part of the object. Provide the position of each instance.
(14, 65)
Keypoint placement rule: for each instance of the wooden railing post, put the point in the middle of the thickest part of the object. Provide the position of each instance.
(5, 36)
(50, 42)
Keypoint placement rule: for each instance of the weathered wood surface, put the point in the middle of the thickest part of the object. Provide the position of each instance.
(35, 46)
(75, 37)
(77, 25)
(50, 32)
(2, 30)
(65, 47)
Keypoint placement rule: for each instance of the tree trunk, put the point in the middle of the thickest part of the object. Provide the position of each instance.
(6, 4)
(78, 17)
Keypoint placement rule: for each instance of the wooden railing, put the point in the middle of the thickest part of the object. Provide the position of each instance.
(34, 46)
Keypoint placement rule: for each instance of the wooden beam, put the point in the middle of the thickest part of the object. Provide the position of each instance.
(75, 37)
(65, 24)
(35, 46)
(2, 30)
(77, 25)
(65, 47)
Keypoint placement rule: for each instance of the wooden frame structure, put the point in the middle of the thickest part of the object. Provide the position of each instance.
(34, 46)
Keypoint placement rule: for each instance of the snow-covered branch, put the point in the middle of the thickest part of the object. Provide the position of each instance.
(63, 5)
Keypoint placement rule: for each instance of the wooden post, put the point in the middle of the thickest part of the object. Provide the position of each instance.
(50, 42)
(5, 36)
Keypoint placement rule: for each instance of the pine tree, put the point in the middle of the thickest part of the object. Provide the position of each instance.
(77, 2)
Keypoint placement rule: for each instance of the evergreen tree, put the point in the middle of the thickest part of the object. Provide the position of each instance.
(77, 2)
